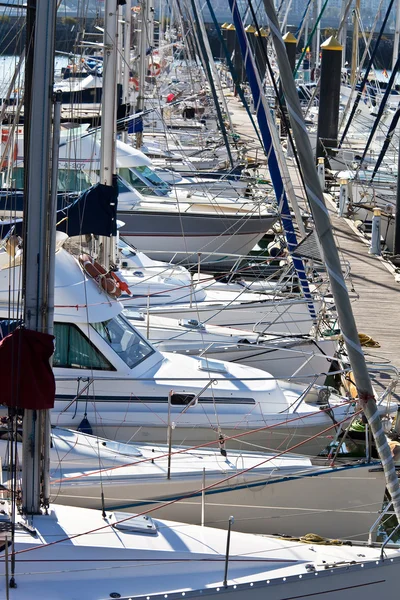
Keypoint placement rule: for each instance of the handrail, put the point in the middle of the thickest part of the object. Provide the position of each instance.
(374, 526)
(175, 379)
(385, 543)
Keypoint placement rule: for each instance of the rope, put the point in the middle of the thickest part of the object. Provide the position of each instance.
(313, 538)
(365, 340)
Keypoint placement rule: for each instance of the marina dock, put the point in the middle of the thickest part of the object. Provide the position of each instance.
(371, 280)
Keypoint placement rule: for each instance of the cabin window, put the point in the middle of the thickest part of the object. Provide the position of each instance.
(124, 340)
(74, 350)
(145, 181)
(69, 180)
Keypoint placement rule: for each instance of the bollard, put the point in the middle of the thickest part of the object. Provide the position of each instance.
(375, 247)
(321, 172)
(329, 97)
(260, 44)
(343, 197)
(290, 45)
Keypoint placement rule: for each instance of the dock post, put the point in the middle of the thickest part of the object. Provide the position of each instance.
(343, 197)
(290, 45)
(329, 96)
(321, 171)
(375, 247)
(260, 45)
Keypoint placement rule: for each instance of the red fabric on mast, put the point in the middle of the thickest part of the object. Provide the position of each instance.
(26, 378)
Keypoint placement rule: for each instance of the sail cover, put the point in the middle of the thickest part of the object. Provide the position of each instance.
(27, 379)
(93, 212)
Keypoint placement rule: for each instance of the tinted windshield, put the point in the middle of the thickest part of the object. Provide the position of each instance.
(145, 180)
(124, 340)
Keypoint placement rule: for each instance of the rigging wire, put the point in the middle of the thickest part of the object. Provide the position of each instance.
(186, 496)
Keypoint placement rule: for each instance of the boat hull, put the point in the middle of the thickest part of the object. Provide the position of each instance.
(340, 503)
(290, 317)
(269, 432)
(181, 237)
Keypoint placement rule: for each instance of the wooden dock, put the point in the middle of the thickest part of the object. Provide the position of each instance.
(374, 291)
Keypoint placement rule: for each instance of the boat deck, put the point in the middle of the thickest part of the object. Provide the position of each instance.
(374, 290)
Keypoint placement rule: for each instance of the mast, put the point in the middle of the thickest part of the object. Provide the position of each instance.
(144, 7)
(354, 49)
(211, 73)
(127, 57)
(39, 236)
(367, 70)
(318, 36)
(271, 144)
(332, 262)
(343, 32)
(151, 24)
(396, 35)
(108, 114)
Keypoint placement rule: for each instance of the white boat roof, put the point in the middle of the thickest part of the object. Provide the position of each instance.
(78, 298)
(80, 148)
(127, 156)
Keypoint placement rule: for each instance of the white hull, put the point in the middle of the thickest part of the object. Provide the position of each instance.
(186, 249)
(341, 504)
(271, 316)
(126, 426)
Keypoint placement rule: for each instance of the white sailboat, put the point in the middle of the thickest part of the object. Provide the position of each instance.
(286, 494)
(165, 223)
(69, 553)
(107, 372)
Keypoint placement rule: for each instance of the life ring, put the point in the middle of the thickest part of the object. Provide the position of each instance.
(122, 285)
(135, 82)
(14, 155)
(154, 69)
(103, 278)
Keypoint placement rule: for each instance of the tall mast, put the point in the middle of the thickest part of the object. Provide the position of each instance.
(318, 36)
(127, 56)
(332, 262)
(39, 235)
(144, 8)
(151, 23)
(343, 33)
(354, 51)
(108, 114)
(396, 35)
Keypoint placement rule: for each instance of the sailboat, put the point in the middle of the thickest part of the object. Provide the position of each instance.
(68, 553)
(108, 374)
